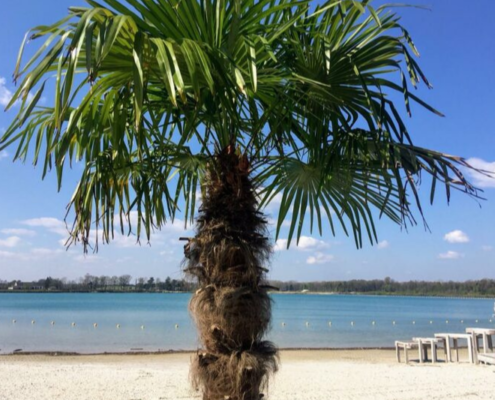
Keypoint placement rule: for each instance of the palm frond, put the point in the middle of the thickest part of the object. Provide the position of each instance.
(147, 91)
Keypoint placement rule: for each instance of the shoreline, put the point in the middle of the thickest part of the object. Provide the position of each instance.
(166, 352)
(309, 293)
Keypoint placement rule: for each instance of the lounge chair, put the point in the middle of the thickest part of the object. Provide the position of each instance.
(405, 346)
(485, 334)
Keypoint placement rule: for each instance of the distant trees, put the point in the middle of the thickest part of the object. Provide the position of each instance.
(91, 283)
(387, 286)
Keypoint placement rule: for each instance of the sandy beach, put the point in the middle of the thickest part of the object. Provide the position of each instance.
(303, 375)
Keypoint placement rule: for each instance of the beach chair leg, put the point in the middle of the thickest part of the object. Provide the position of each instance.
(470, 351)
(433, 353)
(476, 348)
(406, 355)
(397, 352)
(485, 343)
(456, 347)
(420, 351)
(490, 343)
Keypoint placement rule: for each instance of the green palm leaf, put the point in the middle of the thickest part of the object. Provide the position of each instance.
(146, 92)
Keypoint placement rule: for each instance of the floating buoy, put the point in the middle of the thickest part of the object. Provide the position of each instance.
(393, 322)
(176, 326)
(352, 323)
(462, 321)
(414, 322)
(33, 322)
(283, 323)
(307, 323)
(52, 322)
(431, 322)
(95, 325)
(142, 327)
(14, 321)
(490, 320)
(372, 322)
(73, 324)
(329, 323)
(117, 326)
(447, 321)
(476, 321)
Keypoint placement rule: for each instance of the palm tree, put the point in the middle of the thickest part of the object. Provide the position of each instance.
(248, 100)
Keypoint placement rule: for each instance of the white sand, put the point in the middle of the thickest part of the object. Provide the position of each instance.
(304, 375)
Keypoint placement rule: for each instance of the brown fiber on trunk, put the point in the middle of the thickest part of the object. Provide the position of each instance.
(231, 309)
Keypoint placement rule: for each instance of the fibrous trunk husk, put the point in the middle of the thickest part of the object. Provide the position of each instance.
(231, 308)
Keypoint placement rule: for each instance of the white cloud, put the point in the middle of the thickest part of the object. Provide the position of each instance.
(11, 241)
(52, 224)
(320, 258)
(383, 245)
(125, 241)
(44, 252)
(280, 245)
(5, 94)
(3, 154)
(481, 180)
(33, 255)
(7, 254)
(309, 243)
(274, 204)
(487, 248)
(456, 236)
(19, 232)
(306, 243)
(450, 255)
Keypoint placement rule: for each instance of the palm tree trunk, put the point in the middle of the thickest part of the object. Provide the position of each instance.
(231, 309)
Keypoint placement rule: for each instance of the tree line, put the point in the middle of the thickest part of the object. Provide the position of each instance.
(387, 286)
(92, 283)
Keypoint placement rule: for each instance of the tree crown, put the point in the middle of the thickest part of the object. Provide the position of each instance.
(147, 92)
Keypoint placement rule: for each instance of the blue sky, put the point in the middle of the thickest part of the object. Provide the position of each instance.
(458, 56)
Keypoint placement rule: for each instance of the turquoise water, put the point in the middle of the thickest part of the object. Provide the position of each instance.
(148, 321)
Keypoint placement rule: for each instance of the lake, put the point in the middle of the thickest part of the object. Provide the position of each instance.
(160, 321)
